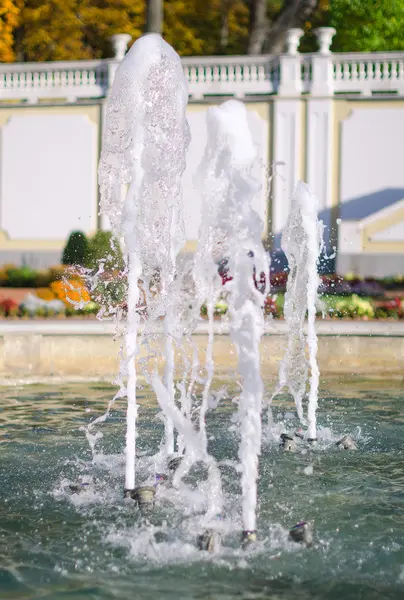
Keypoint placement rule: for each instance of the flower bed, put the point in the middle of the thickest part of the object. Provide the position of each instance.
(62, 292)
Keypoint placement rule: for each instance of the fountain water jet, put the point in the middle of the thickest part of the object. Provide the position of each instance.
(233, 230)
(302, 242)
(144, 146)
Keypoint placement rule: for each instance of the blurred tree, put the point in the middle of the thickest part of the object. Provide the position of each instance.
(203, 27)
(76, 249)
(367, 25)
(269, 22)
(75, 29)
(80, 29)
(103, 18)
(9, 20)
(50, 30)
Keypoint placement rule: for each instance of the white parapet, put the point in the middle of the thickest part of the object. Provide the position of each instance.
(291, 74)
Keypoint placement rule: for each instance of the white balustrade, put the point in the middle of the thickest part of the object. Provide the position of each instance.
(369, 73)
(322, 74)
(55, 80)
(237, 76)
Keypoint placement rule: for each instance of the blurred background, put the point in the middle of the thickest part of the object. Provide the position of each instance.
(323, 82)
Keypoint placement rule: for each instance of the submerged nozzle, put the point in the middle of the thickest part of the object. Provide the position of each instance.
(144, 496)
(174, 463)
(346, 443)
(248, 538)
(77, 488)
(288, 443)
(127, 493)
(209, 541)
(302, 533)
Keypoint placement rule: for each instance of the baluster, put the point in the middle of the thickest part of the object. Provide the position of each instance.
(193, 75)
(261, 73)
(216, 76)
(56, 79)
(354, 71)
(63, 79)
(346, 72)
(239, 74)
(377, 71)
(338, 71)
(387, 74)
(400, 74)
(253, 73)
(70, 78)
(394, 70)
(208, 74)
(362, 71)
(9, 80)
(35, 80)
(231, 74)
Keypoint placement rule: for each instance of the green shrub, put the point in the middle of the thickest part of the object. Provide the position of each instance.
(21, 277)
(350, 306)
(76, 249)
(104, 247)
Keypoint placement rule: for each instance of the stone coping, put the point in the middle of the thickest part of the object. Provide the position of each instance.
(274, 327)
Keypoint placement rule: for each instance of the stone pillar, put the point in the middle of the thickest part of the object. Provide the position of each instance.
(319, 129)
(287, 139)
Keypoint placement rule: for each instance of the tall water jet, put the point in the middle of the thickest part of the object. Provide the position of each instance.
(302, 242)
(142, 161)
(233, 230)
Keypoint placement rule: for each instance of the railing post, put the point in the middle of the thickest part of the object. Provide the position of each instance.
(119, 43)
(290, 83)
(322, 78)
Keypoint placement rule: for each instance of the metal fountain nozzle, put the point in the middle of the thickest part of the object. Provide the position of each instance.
(248, 538)
(346, 443)
(174, 463)
(302, 533)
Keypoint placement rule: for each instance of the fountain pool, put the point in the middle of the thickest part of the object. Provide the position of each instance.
(57, 544)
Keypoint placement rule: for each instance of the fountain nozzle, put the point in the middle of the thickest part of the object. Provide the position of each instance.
(302, 533)
(346, 443)
(248, 538)
(209, 541)
(143, 495)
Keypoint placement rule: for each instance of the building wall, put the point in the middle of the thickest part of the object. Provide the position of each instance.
(347, 149)
(48, 179)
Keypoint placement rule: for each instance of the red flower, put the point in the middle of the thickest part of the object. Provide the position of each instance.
(7, 305)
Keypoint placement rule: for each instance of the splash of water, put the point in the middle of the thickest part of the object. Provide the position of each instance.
(144, 147)
(302, 242)
(233, 230)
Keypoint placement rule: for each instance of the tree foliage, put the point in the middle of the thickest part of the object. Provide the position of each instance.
(76, 249)
(81, 29)
(75, 29)
(9, 20)
(367, 25)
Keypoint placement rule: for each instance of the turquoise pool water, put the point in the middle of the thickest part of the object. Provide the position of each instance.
(55, 544)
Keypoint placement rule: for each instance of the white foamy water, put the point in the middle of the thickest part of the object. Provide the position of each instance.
(302, 243)
(232, 230)
(144, 145)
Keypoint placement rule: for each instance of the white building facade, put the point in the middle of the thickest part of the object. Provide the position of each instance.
(334, 120)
